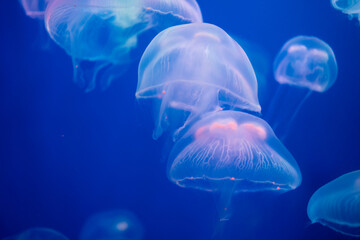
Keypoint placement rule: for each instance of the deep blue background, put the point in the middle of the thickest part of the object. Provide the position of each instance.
(66, 154)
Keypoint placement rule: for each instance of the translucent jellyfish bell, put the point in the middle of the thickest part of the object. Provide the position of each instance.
(350, 7)
(104, 32)
(303, 65)
(192, 69)
(34, 8)
(337, 204)
(112, 225)
(236, 148)
(38, 234)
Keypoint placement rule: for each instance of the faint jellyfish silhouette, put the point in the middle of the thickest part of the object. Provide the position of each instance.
(350, 7)
(303, 65)
(192, 69)
(337, 204)
(101, 36)
(231, 152)
(112, 225)
(35, 8)
(38, 234)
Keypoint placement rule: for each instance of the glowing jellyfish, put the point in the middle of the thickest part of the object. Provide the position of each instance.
(337, 204)
(112, 225)
(99, 35)
(350, 7)
(38, 234)
(231, 152)
(192, 69)
(34, 8)
(303, 65)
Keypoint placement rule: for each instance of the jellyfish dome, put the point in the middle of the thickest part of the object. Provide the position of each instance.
(350, 7)
(34, 8)
(38, 234)
(112, 225)
(337, 204)
(306, 62)
(195, 68)
(106, 31)
(233, 148)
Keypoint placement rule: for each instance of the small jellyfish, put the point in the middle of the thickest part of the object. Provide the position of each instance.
(101, 35)
(192, 69)
(34, 8)
(337, 204)
(303, 65)
(231, 152)
(38, 234)
(112, 225)
(350, 7)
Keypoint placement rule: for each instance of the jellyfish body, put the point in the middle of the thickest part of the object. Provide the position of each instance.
(350, 7)
(303, 65)
(34, 8)
(105, 32)
(233, 147)
(337, 204)
(38, 234)
(192, 69)
(112, 225)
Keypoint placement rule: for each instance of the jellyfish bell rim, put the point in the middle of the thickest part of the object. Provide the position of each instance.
(304, 84)
(153, 93)
(239, 182)
(340, 227)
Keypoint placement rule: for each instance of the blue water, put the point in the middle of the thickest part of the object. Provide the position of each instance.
(66, 154)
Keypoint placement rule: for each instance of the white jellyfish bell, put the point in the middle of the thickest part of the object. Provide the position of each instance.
(303, 65)
(189, 70)
(35, 8)
(230, 152)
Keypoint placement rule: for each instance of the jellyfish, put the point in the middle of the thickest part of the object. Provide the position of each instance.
(101, 36)
(350, 7)
(112, 225)
(34, 8)
(189, 70)
(303, 65)
(231, 152)
(38, 234)
(337, 204)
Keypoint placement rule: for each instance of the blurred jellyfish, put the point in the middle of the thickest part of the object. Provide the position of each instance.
(100, 35)
(303, 65)
(35, 8)
(192, 69)
(112, 225)
(231, 152)
(350, 7)
(337, 204)
(38, 234)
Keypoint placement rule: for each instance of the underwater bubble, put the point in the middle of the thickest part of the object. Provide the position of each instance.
(105, 32)
(192, 69)
(112, 225)
(234, 148)
(337, 204)
(38, 234)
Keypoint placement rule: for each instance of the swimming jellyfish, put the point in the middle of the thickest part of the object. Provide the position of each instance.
(303, 65)
(350, 7)
(192, 69)
(231, 152)
(112, 225)
(34, 8)
(38, 234)
(100, 35)
(337, 204)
